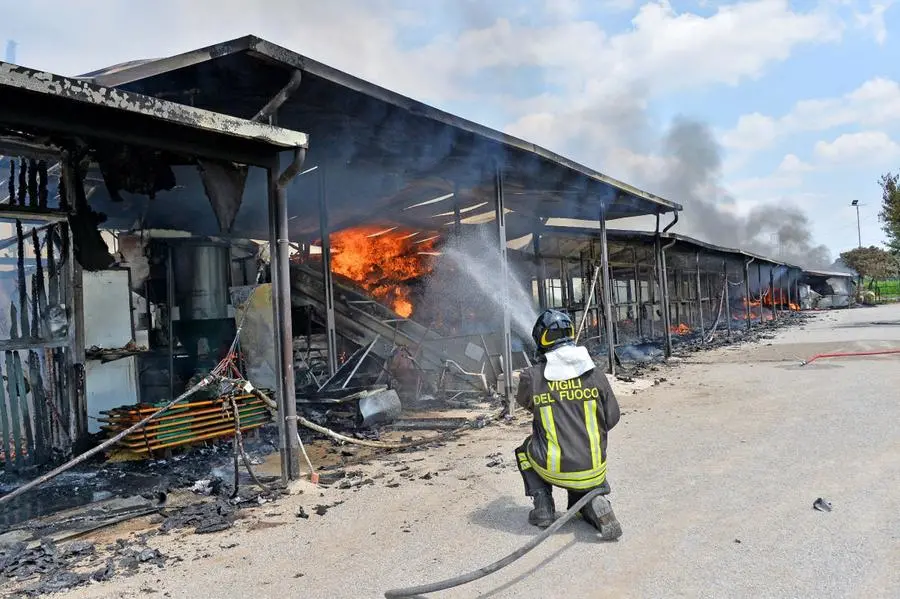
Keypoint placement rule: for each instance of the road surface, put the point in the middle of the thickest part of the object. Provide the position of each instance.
(714, 474)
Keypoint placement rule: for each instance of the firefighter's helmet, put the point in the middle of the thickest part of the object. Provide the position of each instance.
(553, 329)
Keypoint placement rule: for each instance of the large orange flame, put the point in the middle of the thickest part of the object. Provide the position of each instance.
(382, 261)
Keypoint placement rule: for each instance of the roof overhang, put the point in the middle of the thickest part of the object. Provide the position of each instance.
(569, 242)
(381, 156)
(60, 105)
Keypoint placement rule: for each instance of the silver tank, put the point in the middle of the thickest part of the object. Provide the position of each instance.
(201, 279)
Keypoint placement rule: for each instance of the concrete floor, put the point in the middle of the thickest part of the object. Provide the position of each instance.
(714, 474)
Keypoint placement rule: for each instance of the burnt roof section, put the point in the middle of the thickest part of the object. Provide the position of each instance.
(577, 239)
(385, 157)
(50, 106)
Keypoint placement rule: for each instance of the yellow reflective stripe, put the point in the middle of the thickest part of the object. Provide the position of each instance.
(593, 431)
(554, 454)
(574, 476)
(524, 462)
(584, 480)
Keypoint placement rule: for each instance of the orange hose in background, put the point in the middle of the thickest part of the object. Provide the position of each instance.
(882, 352)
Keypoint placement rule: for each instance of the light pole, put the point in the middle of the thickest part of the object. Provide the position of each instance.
(855, 204)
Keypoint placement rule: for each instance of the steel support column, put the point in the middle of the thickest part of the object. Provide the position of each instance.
(638, 296)
(504, 290)
(727, 292)
(747, 296)
(788, 286)
(170, 321)
(540, 271)
(597, 296)
(664, 295)
(700, 298)
(607, 293)
(327, 278)
(772, 293)
(759, 281)
(281, 306)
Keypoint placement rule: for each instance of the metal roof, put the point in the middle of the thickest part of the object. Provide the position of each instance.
(830, 274)
(384, 156)
(579, 238)
(44, 101)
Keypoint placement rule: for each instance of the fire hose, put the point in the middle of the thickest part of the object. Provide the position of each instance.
(881, 352)
(499, 564)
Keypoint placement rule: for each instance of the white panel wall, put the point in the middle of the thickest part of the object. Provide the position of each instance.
(107, 309)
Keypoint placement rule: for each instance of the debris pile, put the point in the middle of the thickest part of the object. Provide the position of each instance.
(204, 517)
(50, 568)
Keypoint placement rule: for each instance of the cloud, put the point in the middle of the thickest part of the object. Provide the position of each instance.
(607, 84)
(787, 176)
(869, 147)
(539, 69)
(875, 103)
(874, 20)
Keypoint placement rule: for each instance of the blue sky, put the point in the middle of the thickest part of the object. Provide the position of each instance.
(597, 81)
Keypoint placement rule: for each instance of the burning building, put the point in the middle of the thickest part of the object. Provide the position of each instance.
(661, 287)
(405, 250)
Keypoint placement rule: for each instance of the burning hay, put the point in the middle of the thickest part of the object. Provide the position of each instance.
(383, 262)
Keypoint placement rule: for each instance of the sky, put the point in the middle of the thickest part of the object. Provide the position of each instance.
(761, 111)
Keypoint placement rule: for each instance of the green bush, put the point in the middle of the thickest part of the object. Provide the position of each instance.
(887, 289)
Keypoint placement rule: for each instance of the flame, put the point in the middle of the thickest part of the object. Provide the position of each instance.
(382, 261)
(681, 329)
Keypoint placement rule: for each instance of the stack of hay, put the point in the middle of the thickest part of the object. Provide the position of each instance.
(184, 424)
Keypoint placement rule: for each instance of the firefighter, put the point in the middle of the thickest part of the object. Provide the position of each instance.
(573, 409)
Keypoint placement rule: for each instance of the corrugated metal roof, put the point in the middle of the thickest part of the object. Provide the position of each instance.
(647, 237)
(126, 73)
(383, 152)
(17, 78)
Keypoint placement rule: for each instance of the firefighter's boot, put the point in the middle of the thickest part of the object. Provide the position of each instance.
(599, 514)
(544, 512)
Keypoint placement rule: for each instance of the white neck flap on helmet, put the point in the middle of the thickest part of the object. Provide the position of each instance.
(567, 362)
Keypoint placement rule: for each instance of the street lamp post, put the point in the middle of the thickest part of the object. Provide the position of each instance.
(855, 204)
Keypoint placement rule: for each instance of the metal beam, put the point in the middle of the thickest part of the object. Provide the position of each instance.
(504, 290)
(664, 294)
(772, 292)
(540, 270)
(607, 292)
(788, 287)
(327, 277)
(727, 293)
(700, 298)
(639, 313)
(281, 305)
(759, 281)
(747, 293)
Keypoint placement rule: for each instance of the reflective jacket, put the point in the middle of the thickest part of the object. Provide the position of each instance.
(567, 447)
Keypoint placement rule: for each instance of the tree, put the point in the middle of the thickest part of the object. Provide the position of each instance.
(890, 209)
(872, 263)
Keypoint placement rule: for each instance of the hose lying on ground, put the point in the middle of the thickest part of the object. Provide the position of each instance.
(386, 444)
(881, 352)
(499, 564)
(375, 444)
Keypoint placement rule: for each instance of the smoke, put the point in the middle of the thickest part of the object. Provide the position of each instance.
(692, 176)
(465, 287)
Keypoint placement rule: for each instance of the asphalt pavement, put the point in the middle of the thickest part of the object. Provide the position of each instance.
(714, 474)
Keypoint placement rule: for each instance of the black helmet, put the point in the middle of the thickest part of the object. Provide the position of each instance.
(553, 329)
